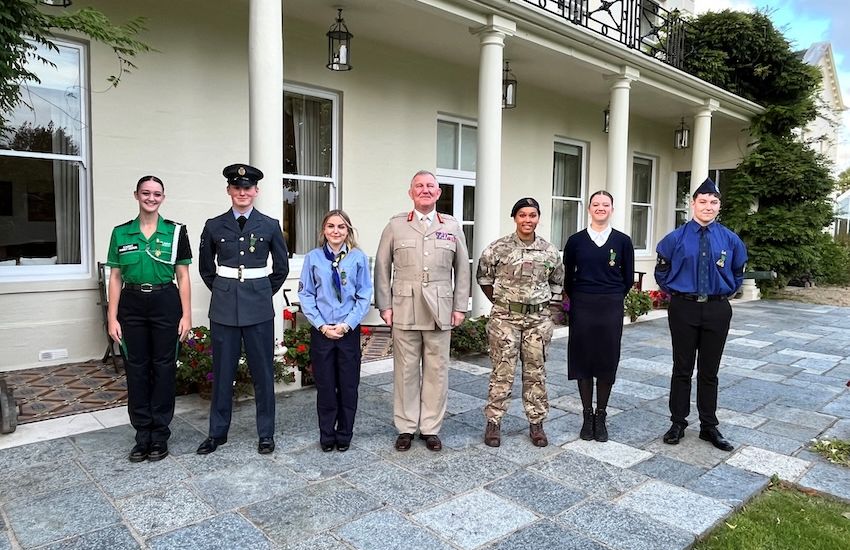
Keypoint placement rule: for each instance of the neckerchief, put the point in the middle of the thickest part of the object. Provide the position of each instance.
(335, 261)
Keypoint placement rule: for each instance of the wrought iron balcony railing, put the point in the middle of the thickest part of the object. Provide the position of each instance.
(642, 25)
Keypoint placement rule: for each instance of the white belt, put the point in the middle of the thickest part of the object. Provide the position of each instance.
(242, 273)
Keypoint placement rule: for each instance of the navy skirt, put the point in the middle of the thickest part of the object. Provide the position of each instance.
(596, 329)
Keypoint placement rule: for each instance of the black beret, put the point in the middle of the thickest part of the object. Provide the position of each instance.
(242, 175)
(708, 187)
(522, 203)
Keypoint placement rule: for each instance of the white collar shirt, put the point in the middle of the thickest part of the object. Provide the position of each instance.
(599, 237)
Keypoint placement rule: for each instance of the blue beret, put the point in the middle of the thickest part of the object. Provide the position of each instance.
(242, 175)
(708, 187)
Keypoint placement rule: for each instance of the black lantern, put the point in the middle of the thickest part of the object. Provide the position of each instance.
(508, 87)
(339, 45)
(56, 3)
(606, 119)
(682, 136)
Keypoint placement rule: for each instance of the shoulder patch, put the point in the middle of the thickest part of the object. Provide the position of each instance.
(300, 286)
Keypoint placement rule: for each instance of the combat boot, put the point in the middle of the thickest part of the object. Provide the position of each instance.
(492, 434)
(600, 430)
(538, 436)
(587, 431)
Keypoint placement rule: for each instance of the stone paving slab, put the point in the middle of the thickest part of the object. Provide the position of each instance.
(769, 463)
(537, 493)
(396, 487)
(162, 511)
(828, 478)
(544, 535)
(589, 475)
(676, 506)
(729, 484)
(218, 533)
(387, 529)
(116, 537)
(611, 452)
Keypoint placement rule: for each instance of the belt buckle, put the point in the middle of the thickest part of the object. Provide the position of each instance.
(702, 298)
(426, 277)
(240, 276)
(146, 287)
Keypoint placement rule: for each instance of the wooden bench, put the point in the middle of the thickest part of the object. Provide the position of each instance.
(103, 301)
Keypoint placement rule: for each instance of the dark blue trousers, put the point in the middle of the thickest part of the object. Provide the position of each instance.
(336, 371)
(149, 327)
(227, 349)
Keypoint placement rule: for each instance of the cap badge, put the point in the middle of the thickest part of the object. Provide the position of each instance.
(241, 171)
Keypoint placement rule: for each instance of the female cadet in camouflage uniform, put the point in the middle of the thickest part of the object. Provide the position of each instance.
(519, 273)
(147, 314)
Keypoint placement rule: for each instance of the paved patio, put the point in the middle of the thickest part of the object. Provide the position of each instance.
(783, 382)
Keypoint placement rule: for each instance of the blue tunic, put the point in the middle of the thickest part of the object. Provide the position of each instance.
(318, 296)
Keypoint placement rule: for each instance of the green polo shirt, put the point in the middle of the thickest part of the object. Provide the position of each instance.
(150, 260)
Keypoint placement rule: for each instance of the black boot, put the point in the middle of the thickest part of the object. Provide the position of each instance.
(587, 429)
(600, 430)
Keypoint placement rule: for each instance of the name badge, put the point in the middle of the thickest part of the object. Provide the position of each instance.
(527, 269)
(123, 249)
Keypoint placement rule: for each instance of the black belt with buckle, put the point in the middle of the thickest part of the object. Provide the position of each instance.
(147, 287)
(701, 297)
(519, 307)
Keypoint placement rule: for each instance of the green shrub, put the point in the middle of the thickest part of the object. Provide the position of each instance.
(470, 337)
(638, 302)
(833, 264)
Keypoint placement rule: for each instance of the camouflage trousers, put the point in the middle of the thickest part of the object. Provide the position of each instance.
(515, 337)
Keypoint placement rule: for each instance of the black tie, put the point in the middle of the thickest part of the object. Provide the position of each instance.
(241, 221)
(703, 263)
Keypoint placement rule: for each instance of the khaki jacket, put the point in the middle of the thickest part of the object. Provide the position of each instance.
(422, 275)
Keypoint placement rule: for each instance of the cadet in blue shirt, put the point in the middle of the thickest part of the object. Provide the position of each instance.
(701, 264)
(335, 292)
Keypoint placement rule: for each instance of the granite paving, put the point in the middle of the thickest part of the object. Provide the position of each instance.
(783, 382)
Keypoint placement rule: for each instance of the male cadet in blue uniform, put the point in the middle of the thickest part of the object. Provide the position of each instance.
(701, 264)
(241, 310)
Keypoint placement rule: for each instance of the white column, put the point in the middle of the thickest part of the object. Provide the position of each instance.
(265, 111)
(701, 143)
(488, 181)
(618, 146)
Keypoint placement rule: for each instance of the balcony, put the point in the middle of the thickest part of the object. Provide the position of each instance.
(641, 25)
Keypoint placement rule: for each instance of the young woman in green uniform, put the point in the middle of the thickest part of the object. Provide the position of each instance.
(148, 315)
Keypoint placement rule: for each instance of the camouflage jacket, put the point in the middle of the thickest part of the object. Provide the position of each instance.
(519, 272)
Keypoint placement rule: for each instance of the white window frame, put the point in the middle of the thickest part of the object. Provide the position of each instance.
(64, 272)
(650, 218)
(458, 179)
(582, 199)
(297, 260)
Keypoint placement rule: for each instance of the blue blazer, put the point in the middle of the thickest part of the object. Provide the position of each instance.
(248, 302)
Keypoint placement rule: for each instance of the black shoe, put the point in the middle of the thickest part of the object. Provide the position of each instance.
(327, 447)
(342, 447)
(674, 434)
(713, 436)
(600, 430)
(586, 432)
(265, 446)
(210, 444)
(403, 441)
(139, 453)
(159, 450)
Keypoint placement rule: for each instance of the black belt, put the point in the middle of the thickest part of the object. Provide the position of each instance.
(518, 307)
(147, 287)
(701, 297)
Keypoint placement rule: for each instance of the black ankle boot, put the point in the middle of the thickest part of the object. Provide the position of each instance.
(587, 431)
(600, 430)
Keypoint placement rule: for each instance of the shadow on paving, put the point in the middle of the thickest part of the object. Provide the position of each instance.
(782, 383)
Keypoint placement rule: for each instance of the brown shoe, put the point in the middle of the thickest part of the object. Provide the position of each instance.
(432, 442)
(403, 442)
(538, 436)
(492, 434)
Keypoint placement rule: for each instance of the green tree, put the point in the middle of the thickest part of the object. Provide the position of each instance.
(778, 200)
(843, 182)
(23, 25)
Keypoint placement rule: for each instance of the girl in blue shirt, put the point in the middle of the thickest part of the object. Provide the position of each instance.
(335, 291)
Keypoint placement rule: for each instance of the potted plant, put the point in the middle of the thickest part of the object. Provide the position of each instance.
(637, 303)
(297, 355)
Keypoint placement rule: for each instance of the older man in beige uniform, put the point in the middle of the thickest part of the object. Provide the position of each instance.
(419, 255)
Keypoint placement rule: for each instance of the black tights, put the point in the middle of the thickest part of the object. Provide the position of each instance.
(603, 392)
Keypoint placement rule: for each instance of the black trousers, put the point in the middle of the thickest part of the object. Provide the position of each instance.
(149, 327)
(259, 351)
(336, 371)
(698, 331)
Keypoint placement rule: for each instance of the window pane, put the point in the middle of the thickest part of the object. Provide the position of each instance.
(469, 233)
(565, 220)
(683, 189)
(446, 202)
(307, 135)
(468, 147)
(642, 180)
(640, 226)
(468, 203)
(54, 124)
(447, 144)
(566, 179)
(41, 225)
(304, 205)
(681, 217)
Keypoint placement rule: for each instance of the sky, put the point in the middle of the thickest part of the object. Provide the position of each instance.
(804, 22)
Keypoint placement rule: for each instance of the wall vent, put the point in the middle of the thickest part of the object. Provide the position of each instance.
(52, 354)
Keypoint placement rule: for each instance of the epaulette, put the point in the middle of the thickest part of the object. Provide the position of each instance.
(125, 223)
(172, 222)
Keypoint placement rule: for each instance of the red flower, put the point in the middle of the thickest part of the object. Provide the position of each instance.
(198, 335)
(301, 348)
(366, 331)
(288, 315)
